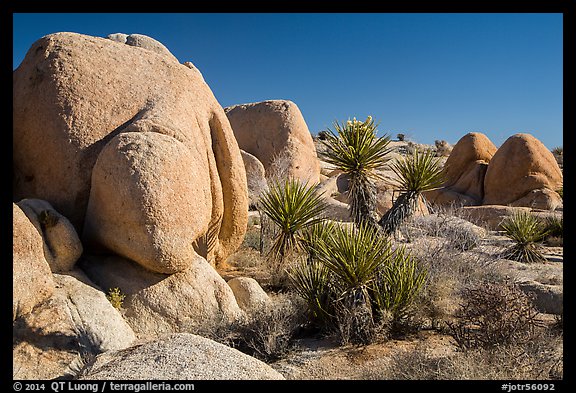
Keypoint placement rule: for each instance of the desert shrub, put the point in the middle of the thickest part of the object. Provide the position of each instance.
(401, 137)
(116, 298)
(527, 232)
(554, 229)
(269, 331)
(493, 314)
(538, 359)
(443, 224)
(356, 150)
(557, 151)
(448, 272)
(252, 238)
(323, 135)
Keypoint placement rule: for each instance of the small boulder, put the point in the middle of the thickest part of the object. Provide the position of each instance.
(181, 357)
(62, 246)
(548, 299)
(32, 281)
(443, 148)
(255, 177)
(249, 294)
(149, 43)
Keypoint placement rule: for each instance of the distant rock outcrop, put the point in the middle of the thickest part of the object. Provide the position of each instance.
(275, 130)
(76, 96)
(464, 171)
(523, 172)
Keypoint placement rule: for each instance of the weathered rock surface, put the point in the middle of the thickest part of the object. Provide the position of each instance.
(73, 94)
(155, 220)
(62, 247)
(276, 130)
(192, 300)
(149, 43)
(249, 294)
(32, 281)
(77, 321)
(255, 177)
(523, 172)
(182, 357)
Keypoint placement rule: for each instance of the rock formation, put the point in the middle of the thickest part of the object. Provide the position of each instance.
(464, 171)
(182, 357)
(275, 132)
(523, 172)
(32, 281)
(76, 96)
(62, 247)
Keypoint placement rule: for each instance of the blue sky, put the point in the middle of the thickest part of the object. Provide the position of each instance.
(430, 76)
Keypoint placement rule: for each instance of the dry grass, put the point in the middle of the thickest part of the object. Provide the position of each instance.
(540, 359)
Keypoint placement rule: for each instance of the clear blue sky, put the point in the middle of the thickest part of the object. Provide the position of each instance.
(430, 76)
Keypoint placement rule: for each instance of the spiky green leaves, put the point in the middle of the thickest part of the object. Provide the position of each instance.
(527, 231)
(354, 255)
(292, 206)
(399, 282)
(355, 149)
(418, 172)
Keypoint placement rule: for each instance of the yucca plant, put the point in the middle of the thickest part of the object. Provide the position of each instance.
(313, 235)
(398, 283)
(355, 149)
(418, 172)
(292, 206)
(527, 232)
(354, 255)
(312, 281)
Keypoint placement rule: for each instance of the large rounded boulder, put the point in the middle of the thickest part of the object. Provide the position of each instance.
(275, 132)
(464, 171)
(523, 172)
(76, 97)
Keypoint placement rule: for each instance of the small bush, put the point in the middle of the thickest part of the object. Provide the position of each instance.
(554, 226)
(401, 137)
(539, 359)
(268, 333)
(323, 135)
(493, 314)
(116, 298)
(527, 232)
(558, 151)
